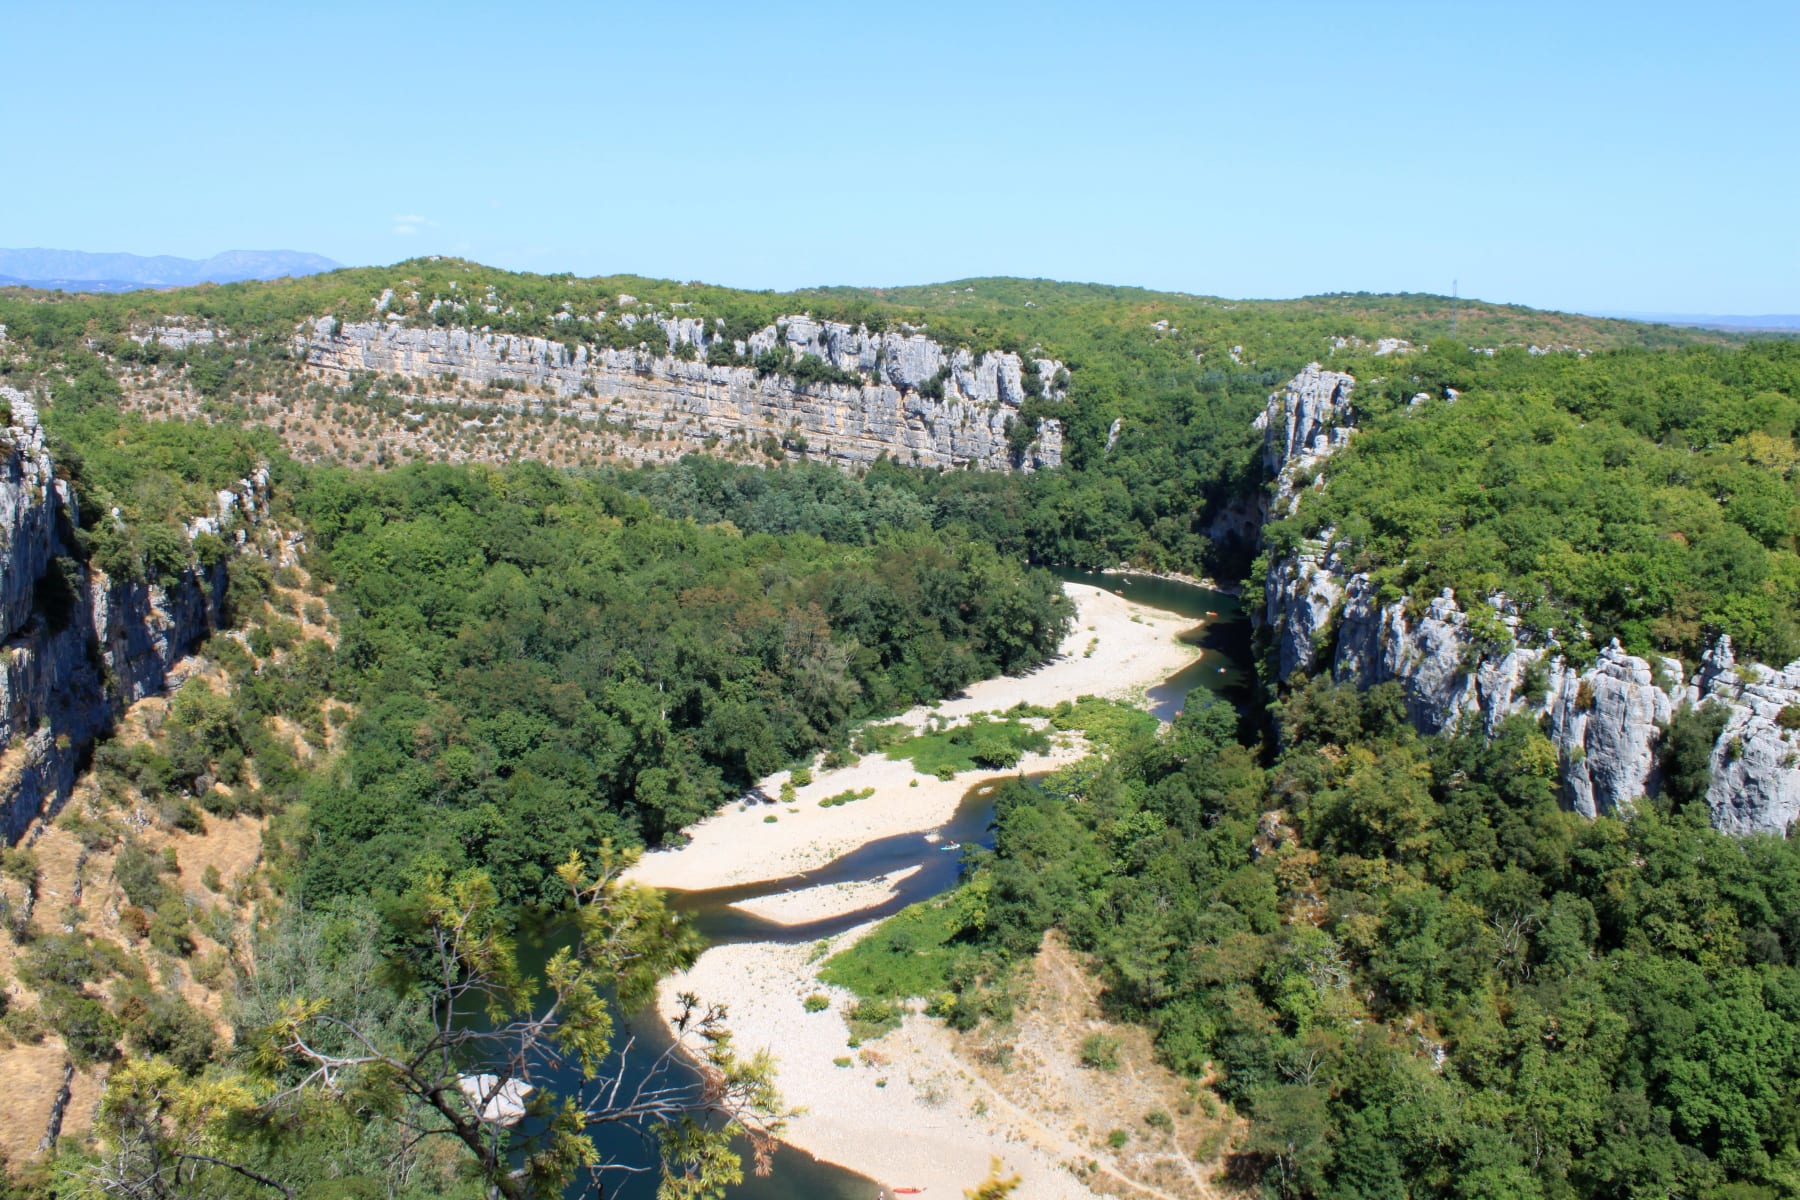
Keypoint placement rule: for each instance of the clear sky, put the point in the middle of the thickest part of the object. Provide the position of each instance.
(1641, 156)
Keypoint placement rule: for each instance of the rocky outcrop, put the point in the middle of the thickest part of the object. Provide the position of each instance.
(1300, 595)
(897, 392)
(1302, 425)
(1756, 761)
(177, 333)
(76, 645)
(1607, 722)
(1607, 719)
(29, 495)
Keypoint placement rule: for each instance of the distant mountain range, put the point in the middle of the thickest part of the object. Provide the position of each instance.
(1765, 321)
(80, 271)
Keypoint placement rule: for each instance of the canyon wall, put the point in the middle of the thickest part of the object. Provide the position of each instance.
(1607, 720)
(914, 400)
(77, 646)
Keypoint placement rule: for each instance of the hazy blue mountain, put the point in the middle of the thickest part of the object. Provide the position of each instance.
(78, 270)
(1763, 321)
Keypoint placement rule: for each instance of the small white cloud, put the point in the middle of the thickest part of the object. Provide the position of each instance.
(410, 224)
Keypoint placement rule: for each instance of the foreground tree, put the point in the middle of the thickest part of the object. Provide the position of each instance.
(498, 1039)
(519, 1072)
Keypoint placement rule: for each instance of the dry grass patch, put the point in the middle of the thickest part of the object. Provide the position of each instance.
(1174, 1131)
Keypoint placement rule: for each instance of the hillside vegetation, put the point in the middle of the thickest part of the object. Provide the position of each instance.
(1156, 419)
(1413, 970)
(1651, 497)
(1400, 957)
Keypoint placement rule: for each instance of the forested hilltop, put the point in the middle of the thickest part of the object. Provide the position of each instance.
(463, 620)
(1496, 589)
(1147, 395)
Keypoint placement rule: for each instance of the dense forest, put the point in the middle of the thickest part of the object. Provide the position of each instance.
(1399, 957)
(1402, 958)
(541, 663)
(1650, 497)
(1180, 375)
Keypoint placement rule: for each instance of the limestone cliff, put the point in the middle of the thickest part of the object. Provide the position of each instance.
(77, 645)
(912, 399)
(1606, 720)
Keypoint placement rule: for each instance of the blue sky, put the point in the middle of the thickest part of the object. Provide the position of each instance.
(1577, 155)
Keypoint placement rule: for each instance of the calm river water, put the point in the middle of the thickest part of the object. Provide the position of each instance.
(1221, 632)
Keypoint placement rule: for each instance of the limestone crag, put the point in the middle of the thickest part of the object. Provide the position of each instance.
(177, 333)
(1756, 761)
(1606, 720)
(1607, 723)
(1302, 425)
(916, 401)
(1301, 594)
(78, 645)
(1447, 670)
(28, 506)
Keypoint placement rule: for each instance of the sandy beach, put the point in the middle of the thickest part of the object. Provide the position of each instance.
(901, 1110)
(1134, 647)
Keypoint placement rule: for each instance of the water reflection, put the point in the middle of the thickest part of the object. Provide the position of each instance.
(715, 915)
(1221, 632)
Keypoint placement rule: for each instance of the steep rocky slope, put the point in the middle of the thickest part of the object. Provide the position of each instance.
(78, 645)
(912, 399)
(1606, 720)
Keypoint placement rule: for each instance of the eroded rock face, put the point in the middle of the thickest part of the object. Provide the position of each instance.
(1303, 424)
(28, 500)
(1607, 723)
(655, 388)
(77, 645)
(1607, 720)
(1756, 761)
(1299, 598)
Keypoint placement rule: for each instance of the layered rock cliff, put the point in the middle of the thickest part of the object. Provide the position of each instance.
(1607, 720)
(77, 646)
(912, 399)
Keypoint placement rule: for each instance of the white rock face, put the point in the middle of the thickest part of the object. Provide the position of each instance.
(1303, 424)
(1299, 597)
(176, 333)
(654, 388)
(1607, 721)
(27, 508)
(1756, 761)
(69, 662)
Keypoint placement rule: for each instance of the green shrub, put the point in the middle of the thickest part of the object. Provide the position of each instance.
(88, 1030)
(169, 928)
(1100, 1052)
(139, 873)
(817, 1002)
(875, 1012)
(20, 864)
